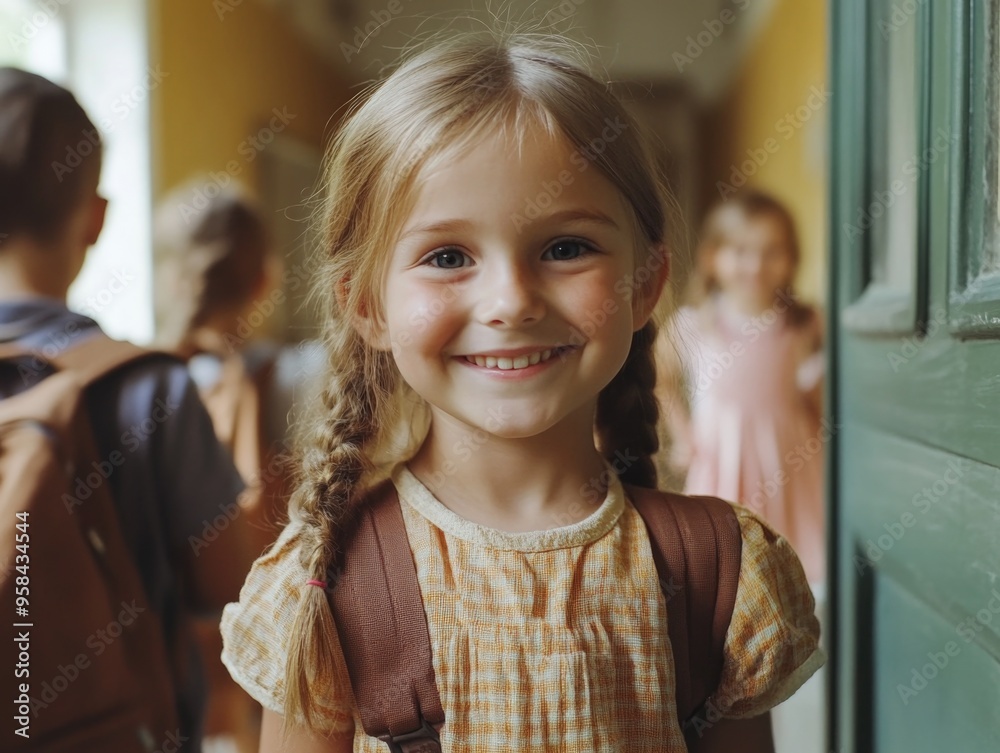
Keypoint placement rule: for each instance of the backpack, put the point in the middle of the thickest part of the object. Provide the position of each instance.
(235, 403)
(89, 662)
(696, 545)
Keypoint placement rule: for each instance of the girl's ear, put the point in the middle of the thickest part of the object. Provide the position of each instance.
(365, 322)
(650, 277)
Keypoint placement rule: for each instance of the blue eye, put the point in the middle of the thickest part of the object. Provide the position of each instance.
(567, 250)
(448, 258)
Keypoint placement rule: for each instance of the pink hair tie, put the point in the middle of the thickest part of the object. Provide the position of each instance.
(317, 583)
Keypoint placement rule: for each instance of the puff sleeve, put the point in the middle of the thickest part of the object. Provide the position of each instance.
(772, 646)
(256, 633)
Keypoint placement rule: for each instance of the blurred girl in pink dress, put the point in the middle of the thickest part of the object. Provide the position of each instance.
(742, 376)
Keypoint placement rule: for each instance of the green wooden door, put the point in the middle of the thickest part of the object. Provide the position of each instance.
(915, 392)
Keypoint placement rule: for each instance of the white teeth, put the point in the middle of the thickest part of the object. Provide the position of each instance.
(509, 364)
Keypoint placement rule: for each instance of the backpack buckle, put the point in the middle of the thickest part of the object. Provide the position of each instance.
(423, 740)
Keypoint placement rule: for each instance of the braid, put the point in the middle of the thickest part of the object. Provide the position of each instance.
(627, 411)
(333, 468)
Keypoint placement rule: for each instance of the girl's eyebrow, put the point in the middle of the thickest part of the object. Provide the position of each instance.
(590, 215)
(444, 226)
(454, 226)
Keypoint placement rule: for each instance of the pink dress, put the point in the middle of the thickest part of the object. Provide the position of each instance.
(754, 440)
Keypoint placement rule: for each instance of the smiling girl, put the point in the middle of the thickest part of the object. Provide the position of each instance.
(494, 364)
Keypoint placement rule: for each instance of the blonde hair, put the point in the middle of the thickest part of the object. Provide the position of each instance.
(212, 248)
(437, 103)
(721, 223)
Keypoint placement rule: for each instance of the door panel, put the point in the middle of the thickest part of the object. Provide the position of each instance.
(932, 674)
(975, 269)
(915, 393)
(929, 521)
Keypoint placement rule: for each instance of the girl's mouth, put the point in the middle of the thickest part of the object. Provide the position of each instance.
(517, 363)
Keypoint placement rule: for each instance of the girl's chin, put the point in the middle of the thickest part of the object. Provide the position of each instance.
(504, 423)
(754, 303)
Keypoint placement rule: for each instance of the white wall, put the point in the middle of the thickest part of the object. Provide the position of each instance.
(107, 67)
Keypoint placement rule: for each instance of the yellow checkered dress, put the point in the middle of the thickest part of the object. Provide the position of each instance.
(550, 640)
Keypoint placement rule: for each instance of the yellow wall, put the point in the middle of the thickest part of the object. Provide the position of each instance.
(224, 78)
(771, 110)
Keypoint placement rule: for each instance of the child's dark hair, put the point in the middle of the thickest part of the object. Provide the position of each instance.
(437, 104)
(50, 156)
(211, 253)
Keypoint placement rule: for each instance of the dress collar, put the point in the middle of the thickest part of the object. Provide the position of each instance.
(591, 528)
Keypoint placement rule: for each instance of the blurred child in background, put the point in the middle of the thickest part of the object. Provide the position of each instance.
(217, 276)
(748, 426)
(174, 479)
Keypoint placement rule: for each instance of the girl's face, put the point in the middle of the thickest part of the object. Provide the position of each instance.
(754, 263)
(506, 298)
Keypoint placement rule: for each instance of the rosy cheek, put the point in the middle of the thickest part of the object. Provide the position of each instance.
(425, 313)
(596, 293)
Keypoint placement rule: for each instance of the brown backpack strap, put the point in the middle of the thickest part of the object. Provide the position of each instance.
(383, 629)
(12, 350)
(88, 359)
(234, 404)
(233, 401)
(96, 356)
(697, 547)
(252, 409)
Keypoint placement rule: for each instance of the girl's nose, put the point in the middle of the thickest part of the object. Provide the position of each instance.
(754, 266)
(510, 297)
